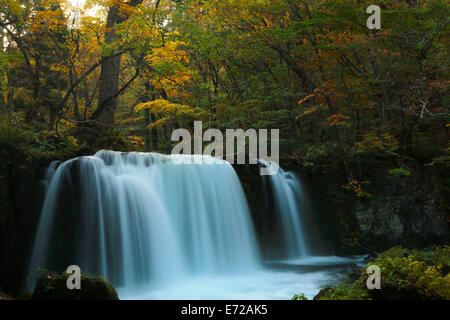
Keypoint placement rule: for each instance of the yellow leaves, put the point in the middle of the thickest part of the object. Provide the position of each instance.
(65, 125)
(13, 6)
(168, 53)
(129, 121)
(411, 274)
(170, 63)
(169, 111)
(156, 106)
(159, 123)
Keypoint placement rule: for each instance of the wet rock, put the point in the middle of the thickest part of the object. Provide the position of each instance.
(52, 286)
(407, 210)
(323, 292)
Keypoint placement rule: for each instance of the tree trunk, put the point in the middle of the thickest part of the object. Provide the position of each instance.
(147, 133)
(109, 75)
(110, 69)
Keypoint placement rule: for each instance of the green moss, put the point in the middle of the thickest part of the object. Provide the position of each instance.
(405, 274)
(52, 286)
(344, 292)
(299, 297)
(415, 273)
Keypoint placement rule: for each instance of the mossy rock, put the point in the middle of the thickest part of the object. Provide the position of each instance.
(323, 293)
(52, 286)
(405, 275)
(4, 296)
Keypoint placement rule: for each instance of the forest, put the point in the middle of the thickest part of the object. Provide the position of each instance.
(363, 114)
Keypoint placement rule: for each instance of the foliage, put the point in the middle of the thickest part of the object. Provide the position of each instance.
(405, 274)
(347, 292)
(169, 111)
(399, 171)
(299, 297)
(355, 107)
(52, 286)
(14, 134)
(310, 69)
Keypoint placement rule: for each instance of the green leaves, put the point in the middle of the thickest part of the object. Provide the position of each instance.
(399, 171)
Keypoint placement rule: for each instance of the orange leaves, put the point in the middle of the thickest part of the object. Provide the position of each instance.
(318, 92)
(51, 18)
(136, 141)
(311, 110)
(373, 142)
(306, 98)
(443, 84)
(318, 98)
(356, 187)
(338, 120)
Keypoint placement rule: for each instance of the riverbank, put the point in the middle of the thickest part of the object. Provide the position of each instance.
(405, 275)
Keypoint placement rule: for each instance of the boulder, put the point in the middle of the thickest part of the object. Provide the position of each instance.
(323, 292)
(52, 286)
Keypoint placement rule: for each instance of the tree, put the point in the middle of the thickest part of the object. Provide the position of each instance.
(110, 68)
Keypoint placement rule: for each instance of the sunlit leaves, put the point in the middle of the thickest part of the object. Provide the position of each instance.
(169, 111)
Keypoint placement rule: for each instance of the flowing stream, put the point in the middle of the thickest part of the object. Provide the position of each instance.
(158, 229)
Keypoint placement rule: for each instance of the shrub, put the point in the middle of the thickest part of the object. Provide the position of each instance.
(405, 274)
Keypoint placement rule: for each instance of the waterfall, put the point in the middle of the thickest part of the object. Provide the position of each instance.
(288, 204)
(160, 229)
(142, 219)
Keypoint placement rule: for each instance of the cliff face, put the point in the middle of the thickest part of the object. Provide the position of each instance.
(407, 206)
(403, 209)
(409, 210)
(20, 199)
(21, 195)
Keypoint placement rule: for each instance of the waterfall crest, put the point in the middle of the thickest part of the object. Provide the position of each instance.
(140, 219)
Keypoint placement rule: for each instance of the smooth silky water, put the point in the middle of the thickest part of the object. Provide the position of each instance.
(158, 229)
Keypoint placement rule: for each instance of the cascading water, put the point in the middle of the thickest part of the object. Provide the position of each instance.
(288, 196)
(158, 229)
(141, 219)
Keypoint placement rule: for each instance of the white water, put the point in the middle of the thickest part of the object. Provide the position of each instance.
(279, 280)
(287, 195)
(144, 221)
(160, 230)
